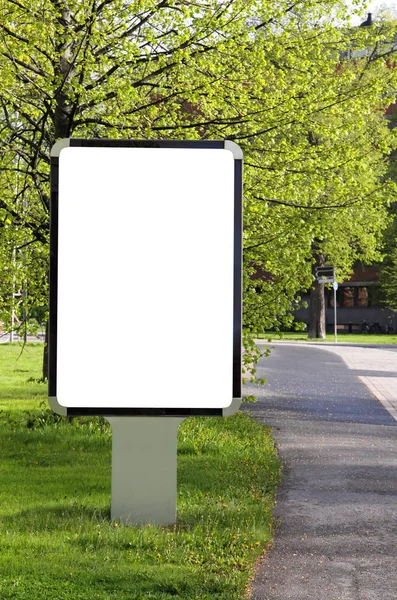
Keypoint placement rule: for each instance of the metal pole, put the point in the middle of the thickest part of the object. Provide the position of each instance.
(335, 326)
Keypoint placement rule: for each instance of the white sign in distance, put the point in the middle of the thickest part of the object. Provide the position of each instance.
(335, 285)
(145, 277)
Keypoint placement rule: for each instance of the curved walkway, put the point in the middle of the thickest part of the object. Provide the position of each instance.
(336, 510)
(375, 366)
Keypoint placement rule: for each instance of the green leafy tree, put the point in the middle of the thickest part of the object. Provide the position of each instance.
(388, 279)
(388, 265)
(268, 75)
(101, 68)
(318, 189)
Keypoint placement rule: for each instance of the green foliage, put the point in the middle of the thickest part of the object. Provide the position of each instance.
(388, 279)
(42, 417)
(388, 266)
(317, 169)
(271, 76)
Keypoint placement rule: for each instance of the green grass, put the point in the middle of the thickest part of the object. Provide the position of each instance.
(354, 338)
(57, 541)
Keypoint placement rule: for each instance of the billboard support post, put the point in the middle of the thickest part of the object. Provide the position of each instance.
(144, 463)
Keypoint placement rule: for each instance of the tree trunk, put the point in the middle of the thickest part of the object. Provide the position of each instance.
(317, 312)
(317, 303)
(45, 354)
(63, 110)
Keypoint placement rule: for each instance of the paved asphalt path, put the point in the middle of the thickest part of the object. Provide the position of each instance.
(337, 506)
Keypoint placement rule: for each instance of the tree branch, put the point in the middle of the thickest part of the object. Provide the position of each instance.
(322, 206)
(21, 63)
(24, 40)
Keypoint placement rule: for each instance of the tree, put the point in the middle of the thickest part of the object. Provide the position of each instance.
(388, 279)
(265, 74)
(104, 68)
(322, 193)
(388, 265)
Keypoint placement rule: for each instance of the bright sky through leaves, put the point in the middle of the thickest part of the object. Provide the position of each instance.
(373, 7)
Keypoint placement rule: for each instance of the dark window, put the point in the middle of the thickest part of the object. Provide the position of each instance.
(375, 296)
(362, 296)
(355, 297)
(348, 297)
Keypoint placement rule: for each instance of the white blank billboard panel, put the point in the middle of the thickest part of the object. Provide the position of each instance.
(145, 277)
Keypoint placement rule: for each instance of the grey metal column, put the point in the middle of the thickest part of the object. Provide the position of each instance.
(144, 463)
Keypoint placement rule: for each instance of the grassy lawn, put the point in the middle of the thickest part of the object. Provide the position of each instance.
(354, 338)
(57, 541)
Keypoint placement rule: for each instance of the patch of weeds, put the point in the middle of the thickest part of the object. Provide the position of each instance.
(36, 418)
(44, 417)
(35, 379)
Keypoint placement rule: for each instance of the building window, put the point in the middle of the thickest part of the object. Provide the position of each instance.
(348, 297)
(356, 297)
(362, 296)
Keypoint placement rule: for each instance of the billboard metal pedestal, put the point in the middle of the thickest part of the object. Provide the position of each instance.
(144, 469)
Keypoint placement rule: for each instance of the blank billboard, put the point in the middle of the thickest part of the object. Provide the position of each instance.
(145, 307)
